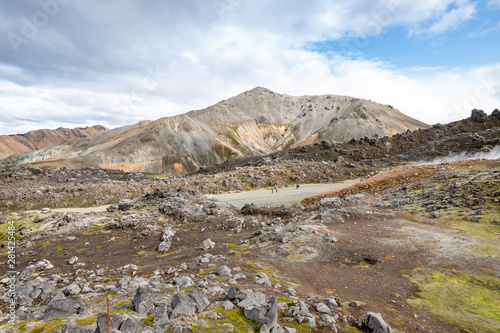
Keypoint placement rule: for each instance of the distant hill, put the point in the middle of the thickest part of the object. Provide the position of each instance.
(255, 122)
(21, 143)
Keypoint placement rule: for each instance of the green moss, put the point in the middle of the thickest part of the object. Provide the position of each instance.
(234, 317)
(232, 246)
(89, 233)
(286, 300)
(46, 244)
(86, 321)
(59, 248)
(106, 281)
(354, 330)
(126, 302)
(110, 293)
(98, 246)
(141, 253)
(468, 301)
(149, 320)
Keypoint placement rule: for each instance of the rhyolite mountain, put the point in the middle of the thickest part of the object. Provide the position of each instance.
(11, 145)
(255, 122)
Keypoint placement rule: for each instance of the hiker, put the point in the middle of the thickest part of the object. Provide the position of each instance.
(272, 190)
(297, 186)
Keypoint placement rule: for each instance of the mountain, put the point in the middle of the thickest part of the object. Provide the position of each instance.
(21, 143)
(255, 122)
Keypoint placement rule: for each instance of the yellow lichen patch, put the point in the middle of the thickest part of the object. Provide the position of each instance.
(468, 301)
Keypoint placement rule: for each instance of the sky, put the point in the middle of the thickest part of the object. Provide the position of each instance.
(75, 63)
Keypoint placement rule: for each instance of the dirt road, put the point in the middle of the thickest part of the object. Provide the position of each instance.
(283, 196)
(259, 197)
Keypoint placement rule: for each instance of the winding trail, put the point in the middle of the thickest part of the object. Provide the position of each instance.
(284, 195)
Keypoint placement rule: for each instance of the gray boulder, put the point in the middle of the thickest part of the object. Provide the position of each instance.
(199, 299)
(207, 244)
(63, 308)
(166, 239)
(375, 322)
(142, 302)
(265, 314)
(330, 202)
(184, 281)
(125, 205)
(224, 271)
(323, 308)
(251, 299)
(479, 116)
(182, 305)
(130, 326)
(115, 321)
(332, 303)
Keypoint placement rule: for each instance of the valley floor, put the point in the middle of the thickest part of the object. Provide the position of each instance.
(418, 244)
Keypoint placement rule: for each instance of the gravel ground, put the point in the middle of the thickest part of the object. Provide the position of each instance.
(283, 196)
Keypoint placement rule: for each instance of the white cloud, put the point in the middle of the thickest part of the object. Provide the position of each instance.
(494, 4)
(94, 61)
(452, 19)
(440, 19)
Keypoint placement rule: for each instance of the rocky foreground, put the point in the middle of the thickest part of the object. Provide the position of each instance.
(377, 257)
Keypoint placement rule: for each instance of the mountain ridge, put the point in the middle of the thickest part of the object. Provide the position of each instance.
(255, 122)
(33, 140)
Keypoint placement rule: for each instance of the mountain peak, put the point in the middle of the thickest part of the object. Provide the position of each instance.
(260, 89)
(256, 122)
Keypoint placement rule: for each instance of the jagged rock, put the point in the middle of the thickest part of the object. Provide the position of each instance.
(62, 308)
(265, 314)
(330, 202)
(115, 321)
(275, 221)
(249, 298)
(183, 304)
(125, 205)
(496, 113)
(130, 326)
(41, 265)
(130, 268)
(264, 281)
(166, 239)
(479, 116)
(328, 319)
(207, 244)
(73, 260)
(227, 305)
(375, 322)
(323, 308)
(72, 289)
(184, 281)
(299, 311)
(329, 238)
(142, 302)
(333, 303)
